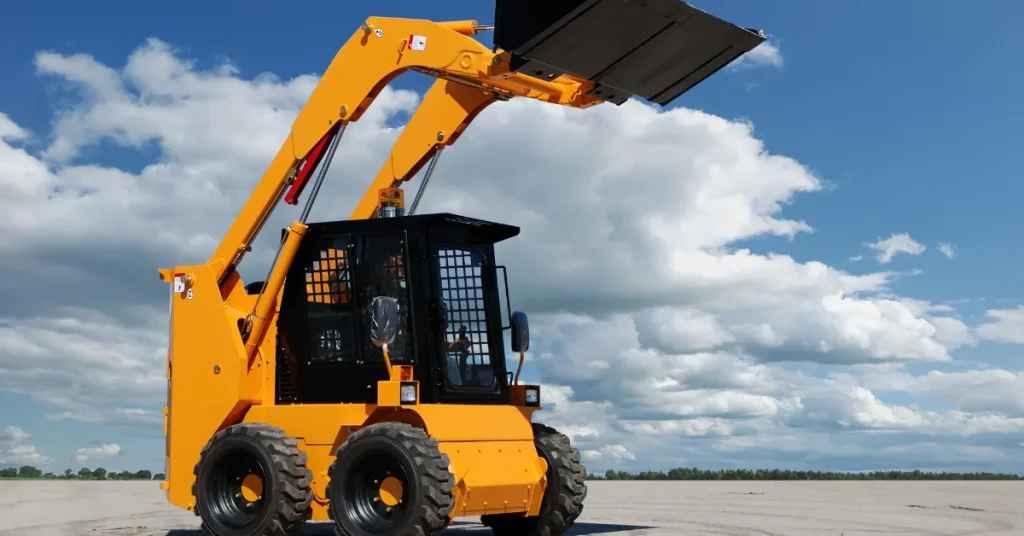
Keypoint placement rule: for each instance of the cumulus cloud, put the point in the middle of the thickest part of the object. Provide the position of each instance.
(14, 434)
(105, 450)
(613, 452)
(13, 447)
(657, 338)
(1005, 325)
(895, 245)
(987, 391)
(767, 53)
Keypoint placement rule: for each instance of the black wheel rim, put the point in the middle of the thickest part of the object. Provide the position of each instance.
(238, 486)
(367, 506)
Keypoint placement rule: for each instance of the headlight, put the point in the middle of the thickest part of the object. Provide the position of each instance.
(532, 396)
(408, 393)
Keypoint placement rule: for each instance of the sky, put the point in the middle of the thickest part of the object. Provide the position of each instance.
(801, 263)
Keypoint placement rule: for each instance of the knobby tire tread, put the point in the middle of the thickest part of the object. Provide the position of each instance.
(438, 483)
(294, 479)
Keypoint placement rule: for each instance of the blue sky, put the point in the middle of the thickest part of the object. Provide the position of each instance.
(891, 104)
(905, 112)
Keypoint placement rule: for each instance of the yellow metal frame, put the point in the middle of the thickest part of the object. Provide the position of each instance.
(217, 377)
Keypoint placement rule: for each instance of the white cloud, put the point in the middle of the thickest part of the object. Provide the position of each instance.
(13, 447)
(765, 54)
(894, 245)
(9, 131)
(82, 360)
(14, 434)
(613, 452)
(1006, 325)
(947, 250)
(116, 415)
(679, 346)
(105, 450)
(990, 391)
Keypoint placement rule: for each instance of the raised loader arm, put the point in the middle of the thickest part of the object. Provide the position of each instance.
(446, 111)
(379, 51)
(576, 53)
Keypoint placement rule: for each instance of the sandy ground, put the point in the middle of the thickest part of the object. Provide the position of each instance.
(613, 509)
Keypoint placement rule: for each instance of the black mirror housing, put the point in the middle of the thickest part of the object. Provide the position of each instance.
(520, 332)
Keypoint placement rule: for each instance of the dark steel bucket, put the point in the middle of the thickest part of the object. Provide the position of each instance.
(654, 49)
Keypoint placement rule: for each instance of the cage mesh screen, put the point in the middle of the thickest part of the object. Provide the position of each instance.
(462, 292)
(331, 311)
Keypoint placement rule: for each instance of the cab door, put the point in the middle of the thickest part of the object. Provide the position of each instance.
(470, 345)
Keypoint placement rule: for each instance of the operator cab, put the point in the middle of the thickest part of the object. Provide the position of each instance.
(440, 269)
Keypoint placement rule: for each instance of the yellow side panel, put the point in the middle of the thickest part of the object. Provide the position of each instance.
(456, 422)
(207, 372)
(316, 424)
(320, 424)
(496, 477)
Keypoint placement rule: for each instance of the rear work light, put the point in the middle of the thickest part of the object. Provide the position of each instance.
(533, 396)
(407, 395)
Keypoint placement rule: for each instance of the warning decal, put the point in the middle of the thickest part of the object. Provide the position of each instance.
(417, 42)
(179, 285)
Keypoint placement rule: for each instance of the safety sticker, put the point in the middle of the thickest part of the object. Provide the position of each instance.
(179, 285)
(417, 42)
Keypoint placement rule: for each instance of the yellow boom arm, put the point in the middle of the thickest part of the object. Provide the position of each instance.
(657, 49)
(470, 77)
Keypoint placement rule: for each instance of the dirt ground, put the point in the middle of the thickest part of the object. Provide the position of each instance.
(58, 508)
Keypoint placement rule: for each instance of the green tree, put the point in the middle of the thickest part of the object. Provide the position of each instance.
(27, 471)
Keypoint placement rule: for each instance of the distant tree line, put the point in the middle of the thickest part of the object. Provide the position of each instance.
(789, 474)
(28, 471)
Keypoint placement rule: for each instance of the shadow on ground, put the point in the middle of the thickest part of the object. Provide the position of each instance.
(457, 529)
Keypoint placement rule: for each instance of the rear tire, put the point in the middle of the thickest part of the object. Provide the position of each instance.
(563, 496)
(390, 479)
(252, 480)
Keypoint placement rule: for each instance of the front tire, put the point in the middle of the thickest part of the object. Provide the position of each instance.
(563, 496)
(252, 480)
(390, 479)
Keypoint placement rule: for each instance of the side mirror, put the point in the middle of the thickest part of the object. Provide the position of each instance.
(520, 332)
(383, 320)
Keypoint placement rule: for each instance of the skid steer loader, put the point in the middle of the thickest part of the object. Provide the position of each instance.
(364, 381)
